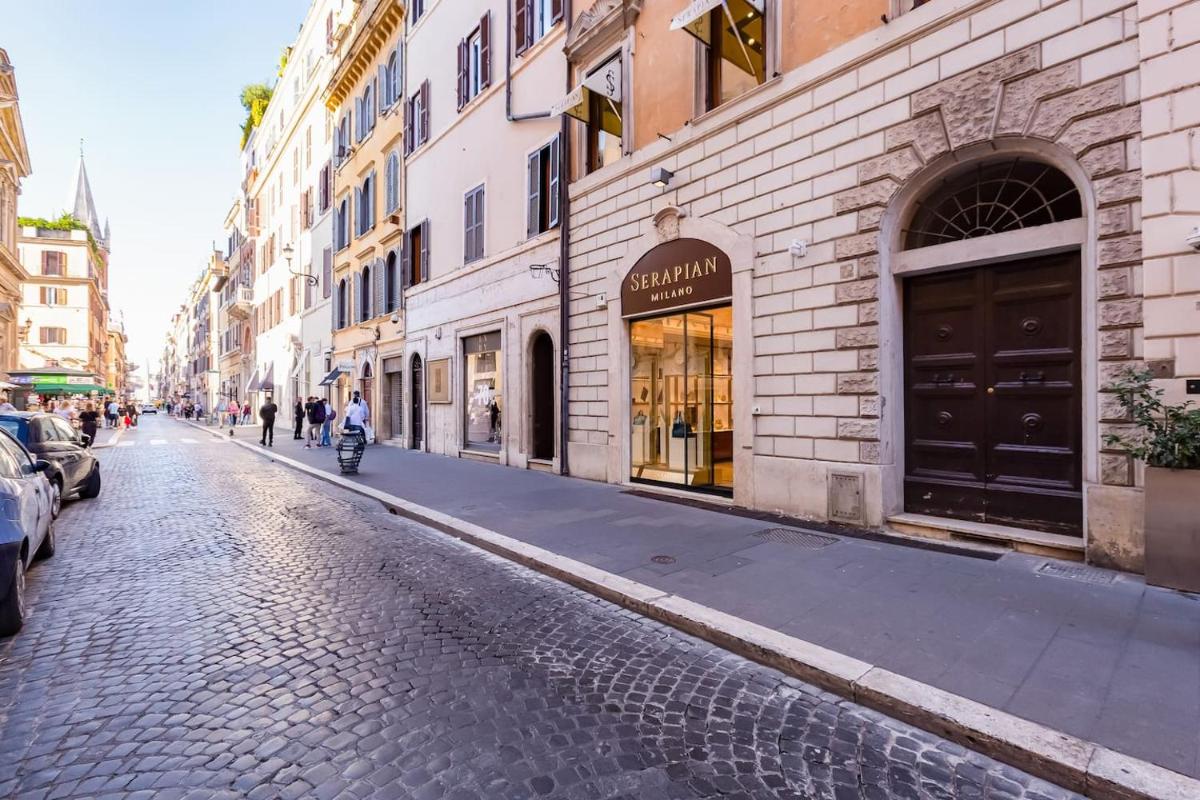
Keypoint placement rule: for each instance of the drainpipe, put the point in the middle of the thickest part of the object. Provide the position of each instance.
(564, 272)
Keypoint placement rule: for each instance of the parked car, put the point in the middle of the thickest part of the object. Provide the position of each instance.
(74, 470)
(149, 408)
(26, 525)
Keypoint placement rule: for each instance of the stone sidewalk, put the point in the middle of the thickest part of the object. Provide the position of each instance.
(1098, 655)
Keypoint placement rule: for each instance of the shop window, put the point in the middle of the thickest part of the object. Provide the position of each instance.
(473, 225)
(604, 127)
(681, 399)
(482, 389)
(733, 50)
(543, 201)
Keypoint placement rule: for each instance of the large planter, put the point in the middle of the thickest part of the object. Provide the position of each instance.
(1173, 528)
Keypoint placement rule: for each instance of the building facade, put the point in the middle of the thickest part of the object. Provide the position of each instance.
(883, 273)
(14, 166)
(365, 99)
(482, 242)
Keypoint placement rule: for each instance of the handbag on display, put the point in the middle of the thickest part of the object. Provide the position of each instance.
(679, 428)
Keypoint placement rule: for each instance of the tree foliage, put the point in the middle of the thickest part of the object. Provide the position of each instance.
(255, 97)
(1168, 435)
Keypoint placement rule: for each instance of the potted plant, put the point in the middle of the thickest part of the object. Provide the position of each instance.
(1168, 441)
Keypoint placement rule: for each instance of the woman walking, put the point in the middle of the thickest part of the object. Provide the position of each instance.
(88, 422)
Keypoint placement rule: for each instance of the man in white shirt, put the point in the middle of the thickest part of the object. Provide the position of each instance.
(356, 413)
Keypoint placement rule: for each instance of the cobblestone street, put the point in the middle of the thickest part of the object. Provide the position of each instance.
(215, 625)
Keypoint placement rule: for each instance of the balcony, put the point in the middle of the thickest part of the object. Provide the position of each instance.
(243, 303)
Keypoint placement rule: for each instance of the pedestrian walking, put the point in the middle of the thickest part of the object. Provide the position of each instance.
(297, 421)
(246, 413)
(134, 413)
(110, 413)
(267, 415)
(356, 415)
(219, 412)
(327, 425)
(235, 411)
(314, 412)
(199, 411)
(88, 422)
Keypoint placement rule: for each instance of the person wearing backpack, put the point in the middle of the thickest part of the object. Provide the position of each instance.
(314, 411)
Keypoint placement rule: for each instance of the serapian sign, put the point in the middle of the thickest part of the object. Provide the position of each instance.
(683, 273)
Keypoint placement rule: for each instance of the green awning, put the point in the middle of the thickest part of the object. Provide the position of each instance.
(67, 388)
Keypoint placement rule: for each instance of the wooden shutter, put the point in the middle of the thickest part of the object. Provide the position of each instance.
(380, 302)
(462, 73)
(382, 94)
(372, 194)
(425, 250)
(408, 126)
(468, 227)
(555, 180)
(485, 51)
(358, 117)
(326, 271)
(406, 261)
(556, 11)
(479, 220)
(424, 137)
(534, 196)
(358, 215)
(376, 104)
(522, 16)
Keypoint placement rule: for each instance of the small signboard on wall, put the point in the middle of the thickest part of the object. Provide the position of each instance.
(438, 381)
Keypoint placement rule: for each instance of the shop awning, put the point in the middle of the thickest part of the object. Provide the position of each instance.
(252, 384)
(331, 377)
(67, 388)
(268, 381)
(690, 16)
(605, 82)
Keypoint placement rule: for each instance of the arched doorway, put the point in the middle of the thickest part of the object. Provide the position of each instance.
(993, 401)
(542, 396)
(417, 388)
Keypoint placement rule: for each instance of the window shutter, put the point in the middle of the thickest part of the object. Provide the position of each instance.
(372, 194)
(555, 180)
(468, 227)
(425, 250)
(358, 113)
(462, 73)
(556, 11)
(533, 224)
(521, 19)
(479, 197)
(424, 137)
(382, 89)
(485, 51)
(398, 77)
(408, 127)
(326, 271)
(377, 297)
(376, 104)
(358, 211)
(406, 260)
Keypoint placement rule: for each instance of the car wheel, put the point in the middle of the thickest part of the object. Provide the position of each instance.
(46, 550)
(56, 493)
(12, 608)
(92, 487)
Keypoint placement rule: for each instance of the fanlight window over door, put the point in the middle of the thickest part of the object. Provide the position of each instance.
(993, 198)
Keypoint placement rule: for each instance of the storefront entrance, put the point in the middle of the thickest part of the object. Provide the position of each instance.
(681, 399)
(993, 403)
(416, 388)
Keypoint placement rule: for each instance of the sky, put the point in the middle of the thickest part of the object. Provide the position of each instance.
(152, 87)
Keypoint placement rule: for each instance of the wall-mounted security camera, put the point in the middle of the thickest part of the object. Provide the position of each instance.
(1193, 239)
(395, 319)
(798, 248)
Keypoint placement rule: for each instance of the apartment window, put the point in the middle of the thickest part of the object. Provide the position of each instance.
(392, 184)
(417, 8)
(54, 262)
(473, 225)
(533, 19)
(53, 335)
(364, 295)
(416, 119)
(326, 271)
(306, 209)
(415, 259)
(604, 126)
(390, 85)
(296, 166)
(391, 295)
(364, 202)
(543, 182)
(324, 183)
(293, 296)
(368, 110)
(296, 90)
(733, 50)
(474, 62)
(339, 314)
(51, 296)
(341, 145)
(341, 225)
(308, 146)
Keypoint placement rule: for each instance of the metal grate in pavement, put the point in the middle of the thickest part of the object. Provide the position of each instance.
(805, 539)
(663, 559)
(1076, 572)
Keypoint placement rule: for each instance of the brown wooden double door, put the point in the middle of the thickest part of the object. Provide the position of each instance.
(993, 405)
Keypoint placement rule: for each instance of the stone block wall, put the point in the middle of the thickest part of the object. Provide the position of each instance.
(820, 156)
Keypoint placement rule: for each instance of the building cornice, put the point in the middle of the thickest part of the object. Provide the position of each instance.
(372, 34)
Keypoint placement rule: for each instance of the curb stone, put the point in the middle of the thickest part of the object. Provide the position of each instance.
(1073, 763)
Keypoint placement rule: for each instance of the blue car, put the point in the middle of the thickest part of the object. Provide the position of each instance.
(26, 526)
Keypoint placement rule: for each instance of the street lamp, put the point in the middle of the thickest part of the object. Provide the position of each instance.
(287, 253)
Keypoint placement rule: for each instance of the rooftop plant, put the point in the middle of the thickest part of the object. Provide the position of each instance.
(255, 97)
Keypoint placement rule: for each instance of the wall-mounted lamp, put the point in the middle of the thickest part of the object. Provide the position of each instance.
(1193, 239)
(540, 270)
(661, 177)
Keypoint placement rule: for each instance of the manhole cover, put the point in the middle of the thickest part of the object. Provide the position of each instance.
(1076, 572)
(805, 539)
(663, 559)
